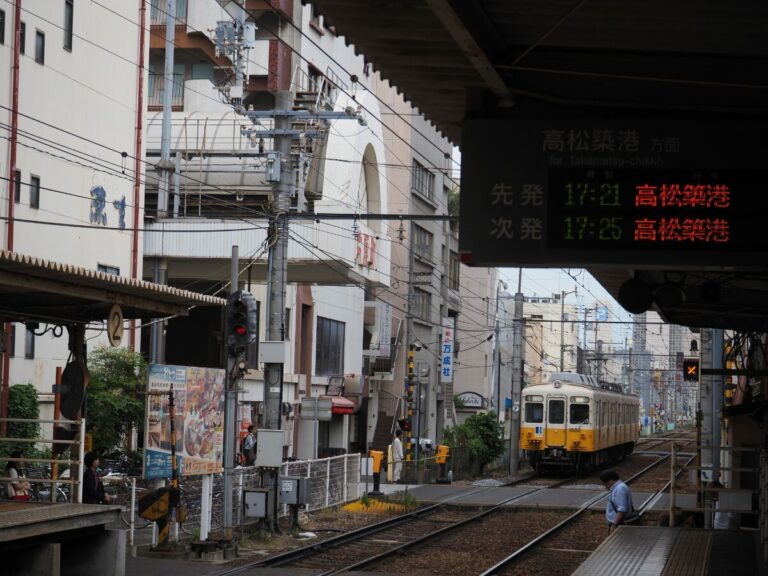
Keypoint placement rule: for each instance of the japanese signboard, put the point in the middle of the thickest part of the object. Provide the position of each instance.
(198, 397)
(446, 351)
(579, 191)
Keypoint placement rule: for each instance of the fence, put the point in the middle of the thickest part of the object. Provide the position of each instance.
(711, 499)
(334, 481)
(42, 465)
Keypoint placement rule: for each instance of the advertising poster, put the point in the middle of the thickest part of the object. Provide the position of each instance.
(198, 395)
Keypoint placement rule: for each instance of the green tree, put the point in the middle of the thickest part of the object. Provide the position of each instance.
(22, 403)
(481, 434)
(115, 402)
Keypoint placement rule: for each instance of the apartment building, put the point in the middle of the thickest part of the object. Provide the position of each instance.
(361, 290)
(68, 177)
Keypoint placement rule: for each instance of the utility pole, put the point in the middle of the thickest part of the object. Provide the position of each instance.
(164, 168)
(497, 355)
(517, 377)
(230, 404)
(563, 294)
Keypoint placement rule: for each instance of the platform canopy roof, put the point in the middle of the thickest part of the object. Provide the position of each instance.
(34, 289)
(455, 59)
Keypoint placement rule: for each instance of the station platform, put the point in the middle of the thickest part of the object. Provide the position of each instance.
(662, 551)
(61, 539)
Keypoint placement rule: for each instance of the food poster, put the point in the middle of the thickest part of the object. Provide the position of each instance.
(198, 395)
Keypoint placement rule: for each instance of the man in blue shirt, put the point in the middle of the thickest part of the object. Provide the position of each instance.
(619, 505)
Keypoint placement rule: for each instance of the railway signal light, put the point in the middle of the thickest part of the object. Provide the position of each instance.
(242, 319)
(691, 369)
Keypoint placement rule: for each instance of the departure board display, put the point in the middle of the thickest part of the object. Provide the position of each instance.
(652, 209)
(623, 191)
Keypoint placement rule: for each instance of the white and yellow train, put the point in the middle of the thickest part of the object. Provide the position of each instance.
(572, 422)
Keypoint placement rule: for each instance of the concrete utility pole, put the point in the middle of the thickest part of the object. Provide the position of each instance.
(517, 378)
(711, 402)
(278, 262)
(164, 169)
(230, 405)
(563, 294)
(497, 356)
(165, 166)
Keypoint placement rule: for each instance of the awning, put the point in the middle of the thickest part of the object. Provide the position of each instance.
(340, 405)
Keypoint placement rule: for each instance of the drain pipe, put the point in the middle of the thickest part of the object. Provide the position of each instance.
(137, 156)
(11, 195)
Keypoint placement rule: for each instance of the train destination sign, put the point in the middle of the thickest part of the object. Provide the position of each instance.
(581, 192)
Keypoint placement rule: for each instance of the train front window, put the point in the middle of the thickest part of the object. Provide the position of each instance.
(556, 411)
(579, 414)
(534, 412)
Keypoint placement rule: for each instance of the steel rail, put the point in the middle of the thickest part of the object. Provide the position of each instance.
(496, 568)
(357, 534)
(418, 541)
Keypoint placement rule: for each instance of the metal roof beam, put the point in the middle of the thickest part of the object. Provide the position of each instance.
(469, 46)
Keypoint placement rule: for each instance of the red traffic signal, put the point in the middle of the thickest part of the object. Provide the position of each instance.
(242, 319)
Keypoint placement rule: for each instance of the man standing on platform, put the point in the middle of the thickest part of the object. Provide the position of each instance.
(397, 455)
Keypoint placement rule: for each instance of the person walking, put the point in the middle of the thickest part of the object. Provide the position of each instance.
(397, 455)
(249, 447)
(619, 508)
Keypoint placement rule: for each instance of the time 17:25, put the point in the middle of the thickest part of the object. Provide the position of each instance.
(591, 228)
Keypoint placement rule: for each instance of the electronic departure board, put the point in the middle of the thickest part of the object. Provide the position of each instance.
(578, 192)
(650, 209)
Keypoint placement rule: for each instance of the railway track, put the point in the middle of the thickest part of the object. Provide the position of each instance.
(506, 566)
(377, 543)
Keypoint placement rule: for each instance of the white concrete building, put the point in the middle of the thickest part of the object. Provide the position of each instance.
(69, 141)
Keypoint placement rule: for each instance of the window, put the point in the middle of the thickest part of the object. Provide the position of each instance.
(557, 412)
(422, 243)
(29, 344)
(534, 412)
(17, 186)
(34, 192)
(69, 20)
(287, 325)
(422, 304)
(2, 27)
(422, 181)
(579, 414)
(12, 344)
(329, 351)
(107, 269)
(39, 47)
(23, 38)
(453, 270)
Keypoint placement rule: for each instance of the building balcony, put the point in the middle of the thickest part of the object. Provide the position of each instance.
(317, 253)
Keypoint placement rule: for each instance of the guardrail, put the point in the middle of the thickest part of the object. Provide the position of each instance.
(713, 499)
(76, 484)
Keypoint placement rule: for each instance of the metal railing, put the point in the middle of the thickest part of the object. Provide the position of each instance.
(75, 483)
(334, 481)
(708, 497)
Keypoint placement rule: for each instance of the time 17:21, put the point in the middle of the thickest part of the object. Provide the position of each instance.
(592, 194)
(591, 228)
